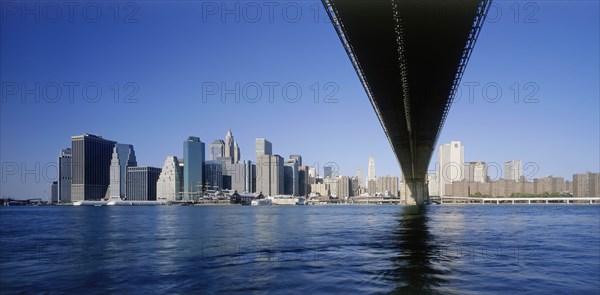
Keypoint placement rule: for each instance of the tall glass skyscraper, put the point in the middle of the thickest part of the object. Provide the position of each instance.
(217, 149)
(213, 175)
(64, 175)
(193, 168)
(90, 167)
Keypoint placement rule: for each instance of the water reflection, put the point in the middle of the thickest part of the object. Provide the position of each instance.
(415, 265)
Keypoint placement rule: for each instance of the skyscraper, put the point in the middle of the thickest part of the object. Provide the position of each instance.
(344, 187)
(269, 169)
(249, 177)
(213, 175)
(170, 181)
(298, 158)
(480, 172)
(263, 147)
(230, 146)
(359, 176)
(142, 183)
(303, 180)
(371, 171)
(469, 173)
(327, 171)
(123, 156)
(433, 184)
(90, 167)
(388, 185)
(64, 175)
(193, 169)
(217, 149)
(236, 152)
(54, 192)
(332, 183)
(512, 170)
(451, 164)
(290, 178)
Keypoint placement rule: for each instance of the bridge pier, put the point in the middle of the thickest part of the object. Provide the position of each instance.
(417, 192)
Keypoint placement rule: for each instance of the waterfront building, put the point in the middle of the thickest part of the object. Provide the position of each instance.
(387, 185)
(291, 181)
(480, 172)
(586, 185)
(371, 171)
(64, 175)
(90, 167)
(170, 181)
(263, 147)
(298, 158)
(123, 156)
(451, 164)
(54, 192)
(512, 170)
(269, 169)
(433, 185)
(213, 175)
(344, 190)
(217, 149)
(193, 170)
(142, 183)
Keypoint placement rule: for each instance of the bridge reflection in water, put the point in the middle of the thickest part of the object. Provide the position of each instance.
(416, 267)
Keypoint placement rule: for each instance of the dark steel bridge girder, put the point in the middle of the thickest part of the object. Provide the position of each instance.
(409, 56)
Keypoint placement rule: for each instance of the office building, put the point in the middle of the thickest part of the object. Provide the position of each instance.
(170, 181)
(193, 169)
(141, 183)
(328, 171)
(433, 185)
(213, 175)
(480, 172)
(269, 175)
(249, 177)
(217, 149)
(64, 175)
(332, 184)
(359, 176)
(355, 186)
(90, 167)
(123, 156)
(451, 164)
(303, 180)
(291, 181)
(512, 170)
(54, 192)
(371, 170)
(231, 149)
(298, 159)
(263, 147)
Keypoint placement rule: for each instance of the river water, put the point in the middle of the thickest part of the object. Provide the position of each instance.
(449, 249)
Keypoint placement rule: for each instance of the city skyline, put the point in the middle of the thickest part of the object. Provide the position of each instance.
(456, 171)
(549, 123)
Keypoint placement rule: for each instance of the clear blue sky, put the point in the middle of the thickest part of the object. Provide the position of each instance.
(170, 49)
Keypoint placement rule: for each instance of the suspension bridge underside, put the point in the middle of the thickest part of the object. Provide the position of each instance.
(409, 56)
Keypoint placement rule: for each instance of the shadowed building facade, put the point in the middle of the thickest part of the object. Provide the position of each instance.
(90, 167)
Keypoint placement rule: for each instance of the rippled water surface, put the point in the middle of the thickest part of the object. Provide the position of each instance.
(524, 249)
